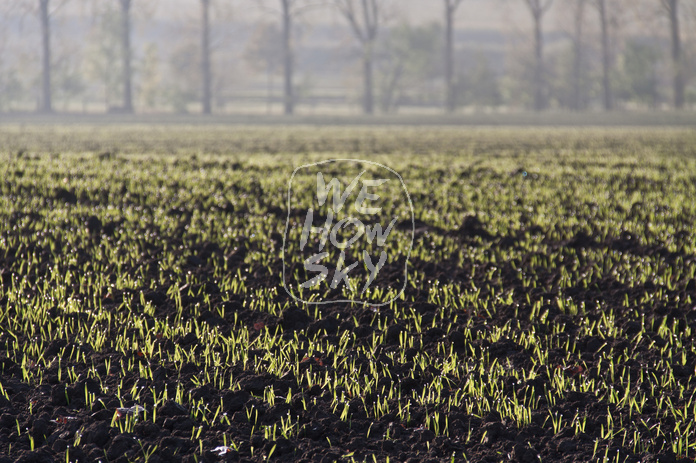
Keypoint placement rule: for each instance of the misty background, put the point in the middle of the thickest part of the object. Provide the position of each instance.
(346, 56)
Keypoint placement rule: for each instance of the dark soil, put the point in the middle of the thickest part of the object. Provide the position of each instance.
(58, 411)
(47, 416)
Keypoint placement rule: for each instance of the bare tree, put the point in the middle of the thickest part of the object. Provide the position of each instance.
(539, 8)
(205, 58)
(126, 56)
(672, 7)
(608, 98)
(46, 105)
(450, 9)
(578, 54)
(289, 10)
(288, 96)
(364, 18)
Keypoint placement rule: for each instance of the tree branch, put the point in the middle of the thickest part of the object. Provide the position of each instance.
(347, 9)
(546, 6)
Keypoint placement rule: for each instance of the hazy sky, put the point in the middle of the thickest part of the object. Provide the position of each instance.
(476, 14)
(505, 15)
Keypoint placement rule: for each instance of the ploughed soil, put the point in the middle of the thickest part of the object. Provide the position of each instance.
(52, 416)
(58, 411)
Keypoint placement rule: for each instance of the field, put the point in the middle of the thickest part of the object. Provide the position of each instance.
(549, 313)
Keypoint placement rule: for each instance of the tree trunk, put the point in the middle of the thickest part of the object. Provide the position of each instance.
(126, 56)
(606, 56)
(365, 30)
(205, 58)
(450, 102)
(676, 54)
(368, 96)
(539, 102)
(370, 17)
(577, 104)
(46, 106)
(288, 97)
